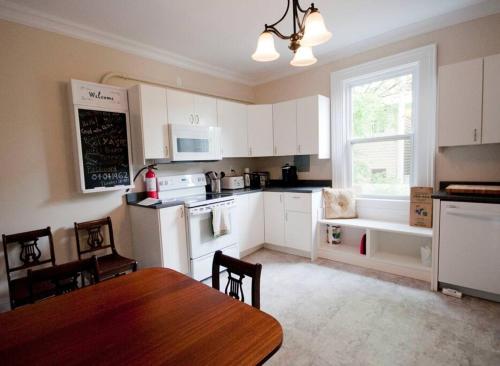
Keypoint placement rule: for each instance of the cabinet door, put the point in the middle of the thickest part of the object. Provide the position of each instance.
(242, 222)
(260, 130)
(205, 109)
(274, 216)
(180, 107)
(469, 249)
(154, 122)
(298, 230)
(460, 103)
(285, 128)
(174, 243)
(232, 118)
(491, 100)
(256, 219)
(307, 126)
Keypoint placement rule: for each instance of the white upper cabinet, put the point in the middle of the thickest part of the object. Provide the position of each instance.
(148, 116)
(491, 100)
(460, 103)
(232, 119)
(191, 109)
(205, 109)
(285, 128)
(180, 107)
(313, 126)
(260, 130)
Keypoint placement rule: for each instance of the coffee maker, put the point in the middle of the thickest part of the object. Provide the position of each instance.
(289, 174)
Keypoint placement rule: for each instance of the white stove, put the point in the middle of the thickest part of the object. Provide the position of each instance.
(199, 204)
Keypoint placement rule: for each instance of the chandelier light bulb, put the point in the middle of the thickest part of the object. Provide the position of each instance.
(265, 48)
(315, 32)
(303, 57)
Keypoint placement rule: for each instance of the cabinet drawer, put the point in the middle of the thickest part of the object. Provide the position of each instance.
(300, 202)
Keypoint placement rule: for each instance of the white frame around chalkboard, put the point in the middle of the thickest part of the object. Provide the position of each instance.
(77, 136)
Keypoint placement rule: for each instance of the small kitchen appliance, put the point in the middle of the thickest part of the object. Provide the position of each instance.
(289, 174)
(236, 182)
(195, 143)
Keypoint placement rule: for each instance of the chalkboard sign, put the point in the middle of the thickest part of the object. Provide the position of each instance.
(104, 145)
(102, 136)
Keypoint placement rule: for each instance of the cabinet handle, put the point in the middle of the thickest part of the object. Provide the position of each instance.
(197, 119)
(166, 150)
(250, 151)
(281, 198)
(191, 118)
(275, 151)
(182, 212)
(475, 134)
(299, 148)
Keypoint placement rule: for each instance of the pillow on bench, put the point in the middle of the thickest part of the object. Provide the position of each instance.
(339, 203)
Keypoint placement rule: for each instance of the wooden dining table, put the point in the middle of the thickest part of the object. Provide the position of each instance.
(154, 316)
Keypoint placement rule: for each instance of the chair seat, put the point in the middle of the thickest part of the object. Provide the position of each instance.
(112, 264)
(21, 292)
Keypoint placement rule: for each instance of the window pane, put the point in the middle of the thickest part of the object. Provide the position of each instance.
(382, 168)
(382, 108)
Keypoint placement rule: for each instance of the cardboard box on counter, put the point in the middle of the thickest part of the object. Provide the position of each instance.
(421, 206)
(421, 195)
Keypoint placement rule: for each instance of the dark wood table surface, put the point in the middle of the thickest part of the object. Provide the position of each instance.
(150, 317)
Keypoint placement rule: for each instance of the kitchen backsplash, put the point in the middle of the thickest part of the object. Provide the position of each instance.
(320, 169)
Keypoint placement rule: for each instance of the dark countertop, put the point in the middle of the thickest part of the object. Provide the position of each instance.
(302, 186)
(442, 195)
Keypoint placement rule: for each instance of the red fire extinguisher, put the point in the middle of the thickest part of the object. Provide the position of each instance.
(151, 187)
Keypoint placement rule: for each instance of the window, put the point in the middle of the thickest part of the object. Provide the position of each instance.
(383, 125)
(381, 136)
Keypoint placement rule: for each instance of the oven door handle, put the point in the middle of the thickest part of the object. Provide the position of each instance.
(194, 212)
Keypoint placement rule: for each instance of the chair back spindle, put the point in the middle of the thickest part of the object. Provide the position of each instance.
(237, 270)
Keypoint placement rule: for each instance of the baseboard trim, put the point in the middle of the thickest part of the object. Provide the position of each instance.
(287, 250)
(249, 251)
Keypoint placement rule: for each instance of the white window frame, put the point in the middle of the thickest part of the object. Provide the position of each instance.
(421, 63)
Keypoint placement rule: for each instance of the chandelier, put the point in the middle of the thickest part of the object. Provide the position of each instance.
(307, 32)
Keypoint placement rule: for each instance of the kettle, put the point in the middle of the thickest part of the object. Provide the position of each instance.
(289, 174)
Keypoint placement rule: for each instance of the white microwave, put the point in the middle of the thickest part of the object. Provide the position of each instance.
(195, 143)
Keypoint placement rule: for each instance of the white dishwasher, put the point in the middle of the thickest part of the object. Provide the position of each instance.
(469, 248)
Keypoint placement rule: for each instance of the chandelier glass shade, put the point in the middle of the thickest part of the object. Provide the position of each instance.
(308, 30)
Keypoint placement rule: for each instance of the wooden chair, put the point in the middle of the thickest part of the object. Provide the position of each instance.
(110, 264)
(30, 257)
(235, 285)
(64, 278)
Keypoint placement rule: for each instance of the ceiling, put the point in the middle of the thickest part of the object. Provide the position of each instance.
(218, 36)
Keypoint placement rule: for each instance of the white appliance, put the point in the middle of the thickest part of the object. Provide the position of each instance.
(195, 143)
(233, 182)
(190, 189)
(469, 248)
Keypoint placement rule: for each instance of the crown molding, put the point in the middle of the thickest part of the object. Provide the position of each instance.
(34, 18)
(432, 24)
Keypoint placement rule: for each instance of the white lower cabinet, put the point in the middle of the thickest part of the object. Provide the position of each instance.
(469, 248)
(298, 230)
(290, 219)
(274, 214)
(250, 220)
(159, 237)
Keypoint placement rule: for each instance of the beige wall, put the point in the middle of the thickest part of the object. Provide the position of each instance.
(477, 38)
(38, 185)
